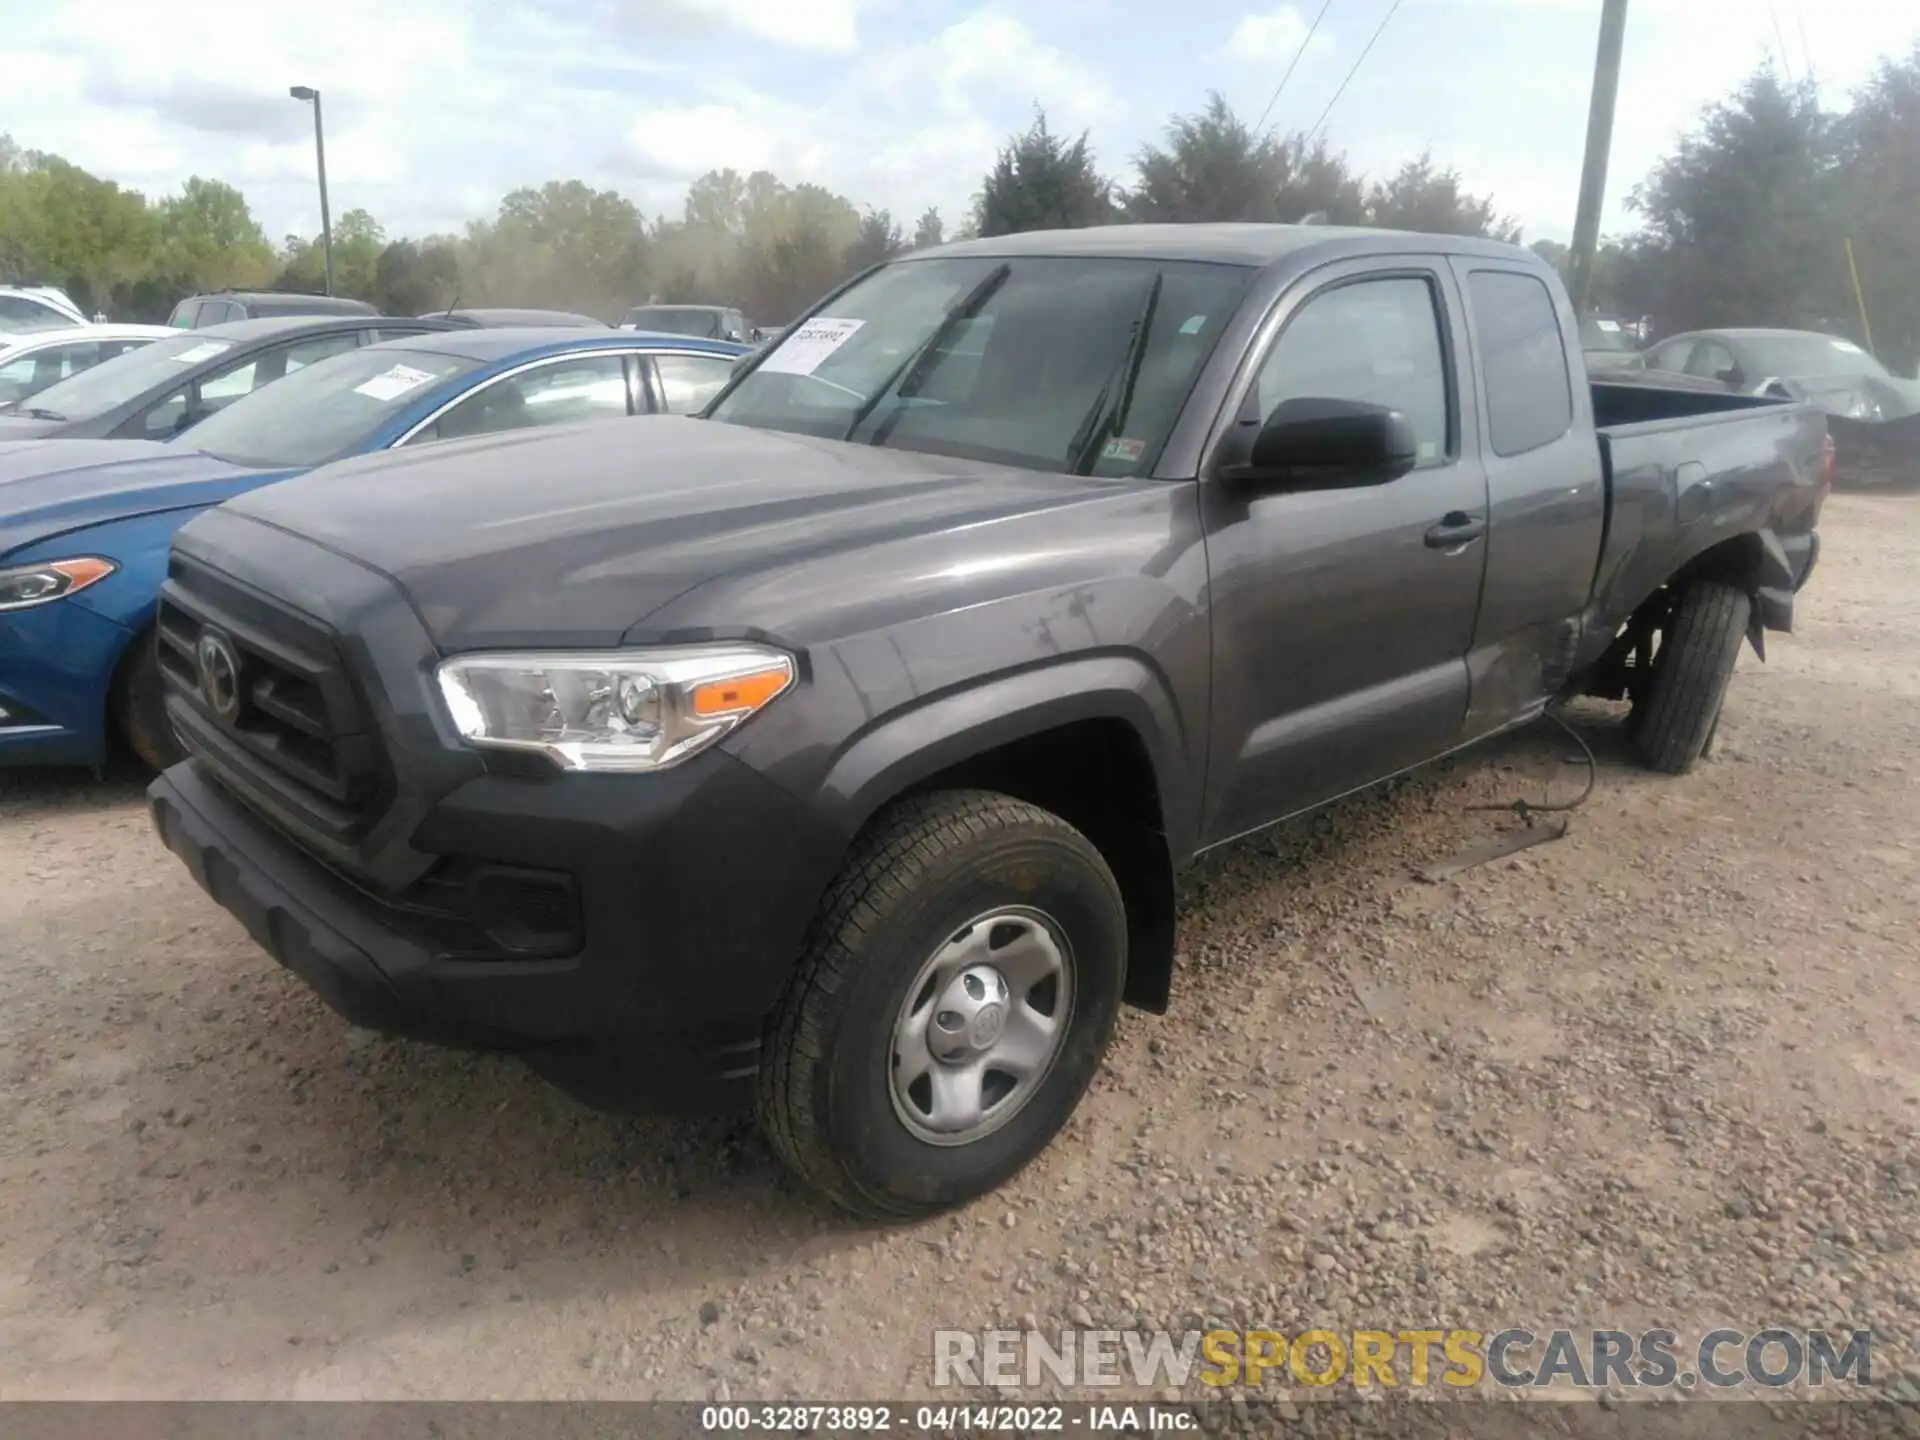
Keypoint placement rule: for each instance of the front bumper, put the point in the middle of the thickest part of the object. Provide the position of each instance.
(694, 897)
(57, 663)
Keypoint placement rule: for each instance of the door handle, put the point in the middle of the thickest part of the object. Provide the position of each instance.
(1456, 528)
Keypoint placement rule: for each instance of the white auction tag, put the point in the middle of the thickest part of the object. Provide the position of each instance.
(392, 383)
(802, 351)
(205, 350)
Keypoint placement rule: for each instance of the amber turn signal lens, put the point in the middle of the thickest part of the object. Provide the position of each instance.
(742, 692)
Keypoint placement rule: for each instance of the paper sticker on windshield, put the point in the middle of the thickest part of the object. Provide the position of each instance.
(1612, 327)
(1193, 325)
(802, 351)
(392, 383)
(1848, 346)
(1120, 448)
(205, 350)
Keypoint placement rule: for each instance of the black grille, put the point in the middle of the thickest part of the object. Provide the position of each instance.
(261, 692)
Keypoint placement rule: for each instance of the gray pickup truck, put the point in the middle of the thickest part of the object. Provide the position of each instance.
(836, 751)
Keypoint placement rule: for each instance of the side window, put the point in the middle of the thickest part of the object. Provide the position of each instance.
(1671, 357)
(159, 420)
(308, 351)
(590, 388)
(1524, 358)
(19, 310)
(1376, 341)
(1712, 361)
(374, 337)
(688, 382)
(183, 314)
(111, 348)
(226, 386)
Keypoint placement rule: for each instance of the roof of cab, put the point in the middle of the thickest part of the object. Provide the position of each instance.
(504, 343)
(264, 327)
(1225, 244)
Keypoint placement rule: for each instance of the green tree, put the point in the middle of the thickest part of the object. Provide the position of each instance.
(1741, 221)
(1213, 167)
(1040, 181)
(61, 225)
(877, 239)
(413, 278)
(1880, 180)
(1421, 196)
(209, 240)
(928, 231)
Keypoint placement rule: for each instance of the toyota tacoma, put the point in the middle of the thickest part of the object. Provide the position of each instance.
(834, 751)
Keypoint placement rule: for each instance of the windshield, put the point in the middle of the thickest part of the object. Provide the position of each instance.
(1598, 334)
(324, 410)
(126, 377)
(701, 324)
(1052, 363)
(1809, 357)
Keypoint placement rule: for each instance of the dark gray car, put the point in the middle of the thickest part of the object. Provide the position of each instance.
(836, 751)
(201, 312)
(162, 389)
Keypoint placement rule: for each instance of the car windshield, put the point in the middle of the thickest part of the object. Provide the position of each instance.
(1051, 363)
(1598, 334)
(701, 324)
(1809, 357)
(324, 410)
(126, 377)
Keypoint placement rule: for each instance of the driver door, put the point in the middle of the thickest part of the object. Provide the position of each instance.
(1342, 617)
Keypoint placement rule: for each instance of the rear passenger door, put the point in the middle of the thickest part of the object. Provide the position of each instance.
(557, 391)
(1342, 617)
(1545, 485)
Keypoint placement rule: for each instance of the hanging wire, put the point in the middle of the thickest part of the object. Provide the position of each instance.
(1361, 60)
(1311, 30)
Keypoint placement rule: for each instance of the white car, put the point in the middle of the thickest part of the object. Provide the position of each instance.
(35, 359)
(36, 307)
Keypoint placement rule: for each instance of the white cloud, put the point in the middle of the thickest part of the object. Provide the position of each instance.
(690, 141)
(1274, 38)
(802, 24)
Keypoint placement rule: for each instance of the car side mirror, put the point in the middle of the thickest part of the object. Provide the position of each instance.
(1729, 376)
(1314, 443)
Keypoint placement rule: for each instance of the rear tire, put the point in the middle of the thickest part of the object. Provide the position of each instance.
(1676, 720)
(143, 708)
(878, 1083)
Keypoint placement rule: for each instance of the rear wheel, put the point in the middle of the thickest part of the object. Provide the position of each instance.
(1676, 711)
(957, 992)
(142, 708)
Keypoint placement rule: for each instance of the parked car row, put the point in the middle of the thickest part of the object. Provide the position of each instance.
(99, 469)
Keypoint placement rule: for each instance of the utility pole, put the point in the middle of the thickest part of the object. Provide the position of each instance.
(1593, 172)
(309, 94)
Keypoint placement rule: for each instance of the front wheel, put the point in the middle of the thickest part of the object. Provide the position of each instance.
(957, 992)
(143, 708)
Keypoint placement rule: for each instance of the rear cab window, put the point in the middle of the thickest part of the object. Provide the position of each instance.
(1523, 360)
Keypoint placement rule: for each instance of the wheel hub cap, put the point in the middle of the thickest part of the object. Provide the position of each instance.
(981, 1026)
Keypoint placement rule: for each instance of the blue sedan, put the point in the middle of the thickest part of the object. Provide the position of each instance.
(85, 525)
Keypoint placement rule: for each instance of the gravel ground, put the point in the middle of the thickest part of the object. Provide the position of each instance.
(1666, 1069)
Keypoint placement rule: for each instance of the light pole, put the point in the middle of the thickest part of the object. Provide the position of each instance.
(1593, 173)
(307, 92)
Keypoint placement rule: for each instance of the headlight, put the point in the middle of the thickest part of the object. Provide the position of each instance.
(611, 710)
(1864, 407)
(24, 586)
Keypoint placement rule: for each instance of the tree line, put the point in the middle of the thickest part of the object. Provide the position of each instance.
(1745, 222)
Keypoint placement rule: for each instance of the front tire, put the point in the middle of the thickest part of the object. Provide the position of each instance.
(142, 708)
(1675, 720)
(958, 989)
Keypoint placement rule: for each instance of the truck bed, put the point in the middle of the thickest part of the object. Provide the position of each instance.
(1686, 468)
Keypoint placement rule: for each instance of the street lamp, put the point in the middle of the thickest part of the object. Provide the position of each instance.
(308, 93)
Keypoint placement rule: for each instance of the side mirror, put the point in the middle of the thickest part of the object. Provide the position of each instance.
(1312, 443)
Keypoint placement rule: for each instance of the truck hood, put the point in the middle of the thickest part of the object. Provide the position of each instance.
(574, 535)
(50, 487)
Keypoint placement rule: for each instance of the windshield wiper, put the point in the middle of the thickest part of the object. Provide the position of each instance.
(42, 414)
(1104, 419)
(911, 371)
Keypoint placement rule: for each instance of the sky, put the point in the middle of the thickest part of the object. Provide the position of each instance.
(436, 108)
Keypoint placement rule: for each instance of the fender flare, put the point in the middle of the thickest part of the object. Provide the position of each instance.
(910, 745)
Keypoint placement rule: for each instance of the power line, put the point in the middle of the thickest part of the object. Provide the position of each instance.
(1806, 54)
(1326, 6)
(1780, 38)
(1361, 60)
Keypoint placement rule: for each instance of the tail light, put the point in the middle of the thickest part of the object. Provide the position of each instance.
(1829, 461)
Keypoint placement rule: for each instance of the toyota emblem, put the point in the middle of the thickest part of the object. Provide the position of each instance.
(219, 670)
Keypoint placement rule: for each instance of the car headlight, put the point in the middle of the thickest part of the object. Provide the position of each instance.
(24, 586)
(1864, 407)
(611, 710)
